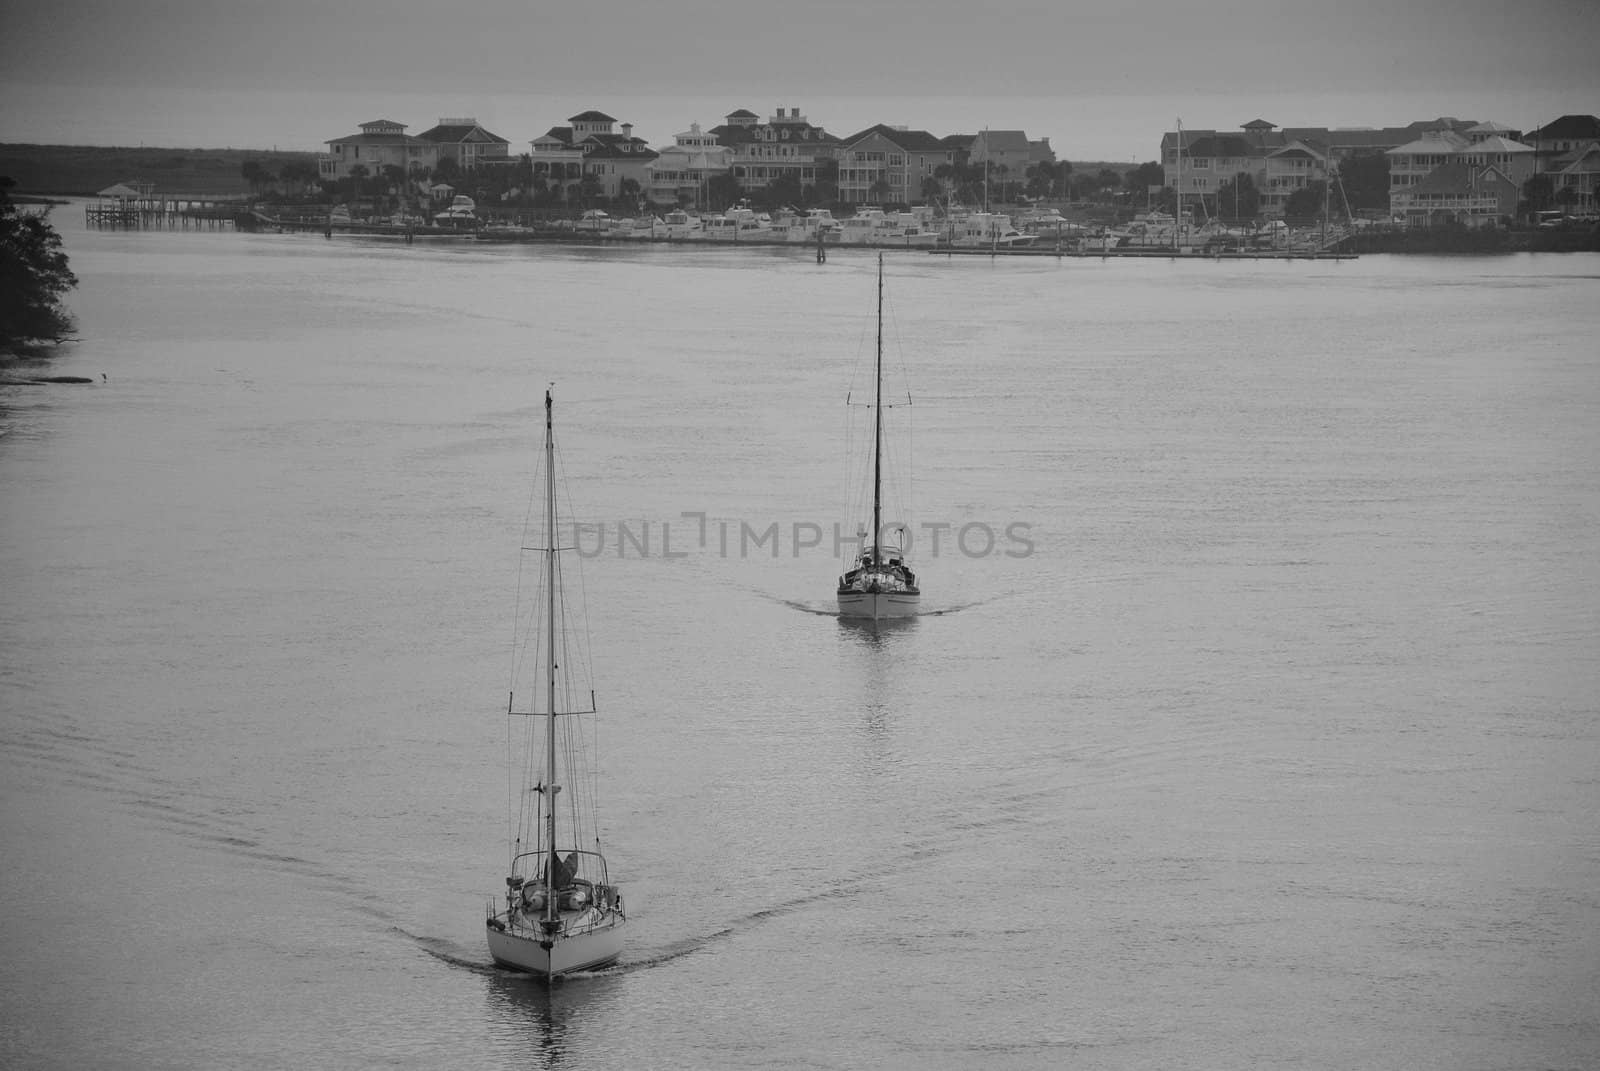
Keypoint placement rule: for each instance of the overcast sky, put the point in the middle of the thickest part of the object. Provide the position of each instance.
(1101, 80)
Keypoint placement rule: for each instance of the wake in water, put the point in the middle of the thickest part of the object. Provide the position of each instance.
(453, 955)
(833, 611)
(1019, 806)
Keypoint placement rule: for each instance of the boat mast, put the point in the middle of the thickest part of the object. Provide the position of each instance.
(877, 433)
(551, 788)
(1177, 211)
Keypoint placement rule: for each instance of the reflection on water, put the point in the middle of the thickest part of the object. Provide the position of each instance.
(547, 1016)
(879, 634)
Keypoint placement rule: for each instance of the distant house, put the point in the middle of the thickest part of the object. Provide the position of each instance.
(467, 143)
(1434, 175)
(1458, 192)
(679, 173)
(1005, 154)
(589, 145)
(1198, 163)
(1575, 176)
(886, 164)
(1564, 135)
(615, 158)
(786, 146)
(124, 193)
(557, 162)
(1290, 169)
(1566, 151)
(1209, 160)
(381, 142)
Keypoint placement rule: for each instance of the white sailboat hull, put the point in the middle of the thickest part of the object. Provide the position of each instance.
(878, 605)
(519, 949)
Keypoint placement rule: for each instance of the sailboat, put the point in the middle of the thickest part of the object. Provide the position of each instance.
(561, 912)
(880, 584)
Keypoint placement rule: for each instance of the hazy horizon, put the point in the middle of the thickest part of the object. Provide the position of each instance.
(1100, 84)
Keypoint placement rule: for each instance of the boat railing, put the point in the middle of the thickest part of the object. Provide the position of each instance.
(588, 867)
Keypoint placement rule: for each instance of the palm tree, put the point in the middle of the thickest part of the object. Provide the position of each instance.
(358, 176)
(256, 175)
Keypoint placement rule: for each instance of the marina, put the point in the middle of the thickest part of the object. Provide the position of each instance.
(992, 235)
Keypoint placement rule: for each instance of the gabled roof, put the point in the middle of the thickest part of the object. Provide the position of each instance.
(909, 140)
(1212, 145)
(1444, 122)
(1003, 141)
(1500, 144)
(741, 113)
(591, 117)
(1436, 143)
(562, 134)
(458, 134)
(1569, 128)
(617, 147)
(733, 134)
(1259, 124)
(1492, 175)
(1184, 138)
(740, 134)
(378, 139)
(121, 189)
(1297, 149)
(1583, 160)
(1348, 139)
(1491, 128)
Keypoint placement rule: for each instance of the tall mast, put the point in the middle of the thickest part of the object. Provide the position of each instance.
(877, 434)
(551, 788)
(1177, 211)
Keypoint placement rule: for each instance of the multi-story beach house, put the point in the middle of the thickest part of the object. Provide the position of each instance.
(888, 165)
(1199, 163)
(1457, 192)
(786, 146)
(1007, 155)
(1568, 150)
(589, 145)
(1472, 176)
(680, 172)
(1570, 133)
(468, 144)
(381, 142)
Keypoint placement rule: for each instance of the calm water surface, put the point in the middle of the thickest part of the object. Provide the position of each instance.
(1279, 749)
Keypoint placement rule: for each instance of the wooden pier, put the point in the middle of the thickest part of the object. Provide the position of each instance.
(140, 208)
